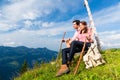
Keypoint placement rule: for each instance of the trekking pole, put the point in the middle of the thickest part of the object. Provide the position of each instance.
(80, 58)
(60, 47)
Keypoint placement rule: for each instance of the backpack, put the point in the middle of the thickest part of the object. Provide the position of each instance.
(93, 57)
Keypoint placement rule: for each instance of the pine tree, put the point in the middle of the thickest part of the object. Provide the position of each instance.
(53, 59)
(24, 67)
(36, 64)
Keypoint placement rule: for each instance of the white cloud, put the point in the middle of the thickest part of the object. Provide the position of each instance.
(28, 23)
(110, 39)
(38, 38)
(28, 10)
(108, 16)
(20, 10)
(29, 15)
(0, 13)
(58, 29)
(46, 24)
(29, 39)
(4, 26)
(9, 44)
(8, 41)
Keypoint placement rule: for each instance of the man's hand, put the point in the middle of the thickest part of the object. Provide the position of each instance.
(68, 42)
(63, 40)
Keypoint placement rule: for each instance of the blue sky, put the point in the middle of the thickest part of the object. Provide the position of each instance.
(41, 23)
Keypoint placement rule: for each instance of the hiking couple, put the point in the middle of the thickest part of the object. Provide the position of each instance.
(83, 34)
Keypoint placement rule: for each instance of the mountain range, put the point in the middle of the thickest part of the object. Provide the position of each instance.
(12, 58)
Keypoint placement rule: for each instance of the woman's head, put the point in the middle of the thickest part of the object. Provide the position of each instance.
(83, 27)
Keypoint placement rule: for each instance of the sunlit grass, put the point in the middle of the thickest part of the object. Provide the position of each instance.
(109, 71)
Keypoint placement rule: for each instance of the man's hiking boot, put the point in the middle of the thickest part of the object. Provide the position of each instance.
(69, 63)
(63, 70)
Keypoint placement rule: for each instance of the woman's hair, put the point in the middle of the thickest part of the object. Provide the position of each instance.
(85, 29)
(77, 22)
(83, 22)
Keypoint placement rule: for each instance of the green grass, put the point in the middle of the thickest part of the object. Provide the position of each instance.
(109, 71)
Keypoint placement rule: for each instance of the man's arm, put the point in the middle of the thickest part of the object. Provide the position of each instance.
(68, 41)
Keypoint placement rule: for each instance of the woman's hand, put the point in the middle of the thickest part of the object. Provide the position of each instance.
(89, 39)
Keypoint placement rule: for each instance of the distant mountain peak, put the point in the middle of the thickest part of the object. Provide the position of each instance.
(9, 56)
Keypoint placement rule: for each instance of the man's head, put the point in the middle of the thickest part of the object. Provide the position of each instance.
(76, 24)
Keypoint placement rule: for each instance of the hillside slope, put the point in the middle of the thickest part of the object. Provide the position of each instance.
(109, 71)
(12, 58)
